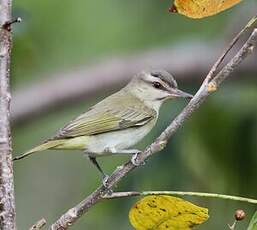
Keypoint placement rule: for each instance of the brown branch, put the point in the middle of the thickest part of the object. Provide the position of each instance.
(69, 218)
(7, 204)
(187, 62)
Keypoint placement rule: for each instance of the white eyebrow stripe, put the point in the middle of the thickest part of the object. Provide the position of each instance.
(149, 77)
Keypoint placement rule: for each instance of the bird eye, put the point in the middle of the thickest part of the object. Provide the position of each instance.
(157, 85)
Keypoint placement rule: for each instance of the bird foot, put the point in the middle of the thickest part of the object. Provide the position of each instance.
(105, 180)
(135, 161)
(105, 184)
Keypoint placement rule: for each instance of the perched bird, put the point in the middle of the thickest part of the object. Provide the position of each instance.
(119, 121)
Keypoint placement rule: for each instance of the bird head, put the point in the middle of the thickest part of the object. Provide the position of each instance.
(156, 86)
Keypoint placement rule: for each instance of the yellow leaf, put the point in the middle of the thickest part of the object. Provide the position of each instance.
(201, 8)
(166, 213)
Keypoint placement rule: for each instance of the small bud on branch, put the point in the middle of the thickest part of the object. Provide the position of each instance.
(8, 24)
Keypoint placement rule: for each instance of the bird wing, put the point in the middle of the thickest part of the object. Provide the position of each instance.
(102, 119)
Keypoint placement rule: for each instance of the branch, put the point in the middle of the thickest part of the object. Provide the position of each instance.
(7, 204)
(230, 46)
(40, 224)
(69, 218)
(179, 193)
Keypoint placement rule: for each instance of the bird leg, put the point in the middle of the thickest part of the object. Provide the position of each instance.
(134, 160)
(134, 152)
(105, 177)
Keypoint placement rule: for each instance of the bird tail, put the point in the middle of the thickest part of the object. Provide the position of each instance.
(47, 145)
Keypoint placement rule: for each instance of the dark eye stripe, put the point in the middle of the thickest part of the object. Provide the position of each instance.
(156, 84)
(155, 75)
(159, 86)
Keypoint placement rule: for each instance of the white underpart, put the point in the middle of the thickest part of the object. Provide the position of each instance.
(115, 141)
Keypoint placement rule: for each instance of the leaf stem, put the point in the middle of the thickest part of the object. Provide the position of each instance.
(181, 193)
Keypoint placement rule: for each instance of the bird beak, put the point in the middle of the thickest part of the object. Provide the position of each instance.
(179, 93)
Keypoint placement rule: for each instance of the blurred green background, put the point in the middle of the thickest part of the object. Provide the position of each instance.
(215, 151)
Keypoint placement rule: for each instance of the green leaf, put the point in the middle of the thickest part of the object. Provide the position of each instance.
(253, 222)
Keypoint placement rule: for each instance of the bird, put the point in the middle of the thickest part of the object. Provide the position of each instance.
(118, 122)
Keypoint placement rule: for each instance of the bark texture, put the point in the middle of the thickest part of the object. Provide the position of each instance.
(7, 204)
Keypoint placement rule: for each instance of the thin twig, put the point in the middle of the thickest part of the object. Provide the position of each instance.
(69, 218)
(37, 226)
(232, 227)
(7, 201)
(214, 68)
(7, 25)
(180, 193)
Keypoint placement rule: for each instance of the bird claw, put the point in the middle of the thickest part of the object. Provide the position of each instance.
(105, 184)
(134, 160)
(105, 180)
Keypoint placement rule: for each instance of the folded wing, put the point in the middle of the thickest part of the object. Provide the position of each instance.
(101, 120)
